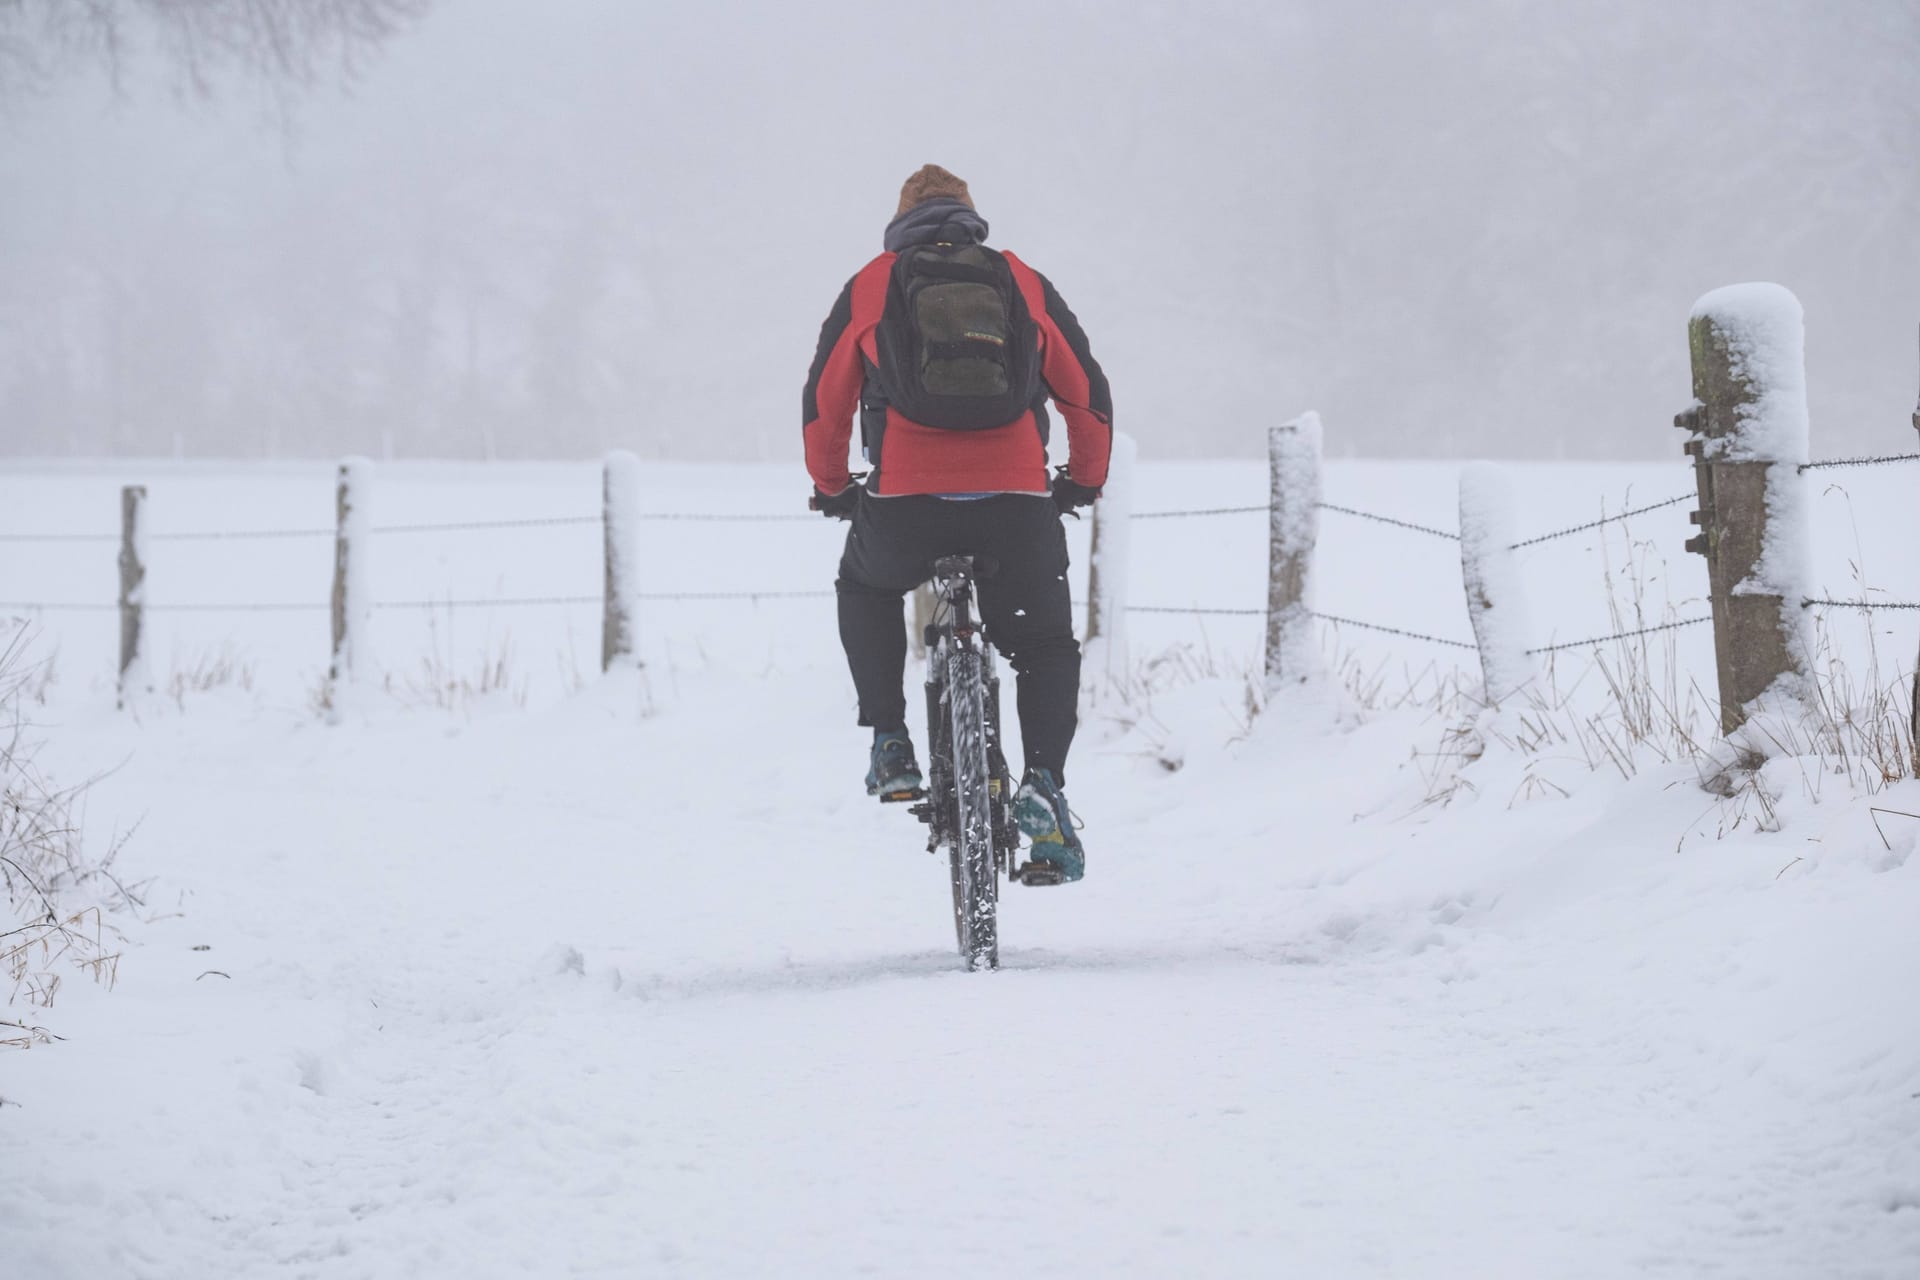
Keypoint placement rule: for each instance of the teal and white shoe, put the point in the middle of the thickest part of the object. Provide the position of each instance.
(1040, 810)
(892, 773)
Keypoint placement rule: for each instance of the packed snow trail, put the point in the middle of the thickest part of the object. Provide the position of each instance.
(582, 992)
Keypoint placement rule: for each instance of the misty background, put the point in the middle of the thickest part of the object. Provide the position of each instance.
(485, 228)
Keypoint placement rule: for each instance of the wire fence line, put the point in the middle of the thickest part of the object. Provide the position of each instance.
(1603, 520)
(1865, 606)
(1390, 520)
(1198, 511)
(1881, 461)
(1620, 635)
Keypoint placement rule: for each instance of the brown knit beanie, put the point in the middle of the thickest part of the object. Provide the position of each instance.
(928, 182)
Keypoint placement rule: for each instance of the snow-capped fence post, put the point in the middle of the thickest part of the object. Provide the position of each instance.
(1496, 604)
(1293, 529)
(923, 602)
(620, 529)
(1107, 564)
(1748, 435)
(352, 607)
(133, 591)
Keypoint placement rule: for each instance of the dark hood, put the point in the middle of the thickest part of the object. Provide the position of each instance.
(941, 220)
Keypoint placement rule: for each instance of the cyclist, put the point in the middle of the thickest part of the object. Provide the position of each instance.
(949, 351)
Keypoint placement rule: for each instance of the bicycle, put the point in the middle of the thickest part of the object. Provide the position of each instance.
(968, 801)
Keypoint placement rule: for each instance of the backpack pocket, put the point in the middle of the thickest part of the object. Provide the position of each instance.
(964, 338)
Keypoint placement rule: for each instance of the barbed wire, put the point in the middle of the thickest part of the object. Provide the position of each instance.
(54, 606)
(1198, 511)
(1603, 520)
(1393, 631)
(1324, 617)
(59, 537)
(217, 535)
(1860, 604)
(1881, 461)
(737, 595)
(1619, 635)
(1397, 523)
(731, 518)
(461, 526)
(500, 602)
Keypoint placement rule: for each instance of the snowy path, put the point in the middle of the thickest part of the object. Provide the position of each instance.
(535, 997)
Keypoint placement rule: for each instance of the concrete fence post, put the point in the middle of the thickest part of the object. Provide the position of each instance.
(1107, 564)
(134, 679)
(620, 528)
(352, 605)
(922, 602)
(1496, 601)
(1748, 436)
(1293, 530)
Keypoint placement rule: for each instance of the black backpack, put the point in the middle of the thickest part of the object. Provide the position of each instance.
(958, 348)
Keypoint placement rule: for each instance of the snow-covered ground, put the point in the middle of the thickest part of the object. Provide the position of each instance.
(627, 977)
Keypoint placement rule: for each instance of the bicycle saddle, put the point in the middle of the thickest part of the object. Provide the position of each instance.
(978, 568)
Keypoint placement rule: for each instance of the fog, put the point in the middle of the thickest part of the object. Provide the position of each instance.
(545, 230)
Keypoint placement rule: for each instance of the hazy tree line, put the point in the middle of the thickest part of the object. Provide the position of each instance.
(1468, 230)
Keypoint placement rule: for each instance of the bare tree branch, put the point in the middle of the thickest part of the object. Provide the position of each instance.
(284, 43)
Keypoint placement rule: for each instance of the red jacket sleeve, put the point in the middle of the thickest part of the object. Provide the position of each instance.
(832, 392)
(1074, 378)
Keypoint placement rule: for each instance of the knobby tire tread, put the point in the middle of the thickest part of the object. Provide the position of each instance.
(975, 886)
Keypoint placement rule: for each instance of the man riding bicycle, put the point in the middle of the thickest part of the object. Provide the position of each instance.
(949, 350)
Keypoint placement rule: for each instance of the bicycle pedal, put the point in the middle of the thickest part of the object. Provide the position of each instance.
(1038, 873)
(903, 797)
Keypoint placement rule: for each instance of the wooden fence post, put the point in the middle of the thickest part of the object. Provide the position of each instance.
(135, 680)
(923, 602)
(352, 606)
(1293, 529)
(1748, 439)
(1107, 563)
(1496, 604)
(620, 528)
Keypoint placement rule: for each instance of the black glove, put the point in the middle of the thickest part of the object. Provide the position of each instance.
(836, 506)
(1068, 496)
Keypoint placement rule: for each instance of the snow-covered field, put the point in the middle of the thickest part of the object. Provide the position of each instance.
(627, 977)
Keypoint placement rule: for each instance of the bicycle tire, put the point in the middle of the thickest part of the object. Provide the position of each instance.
(975, 886)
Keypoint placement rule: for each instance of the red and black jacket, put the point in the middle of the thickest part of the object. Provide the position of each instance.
(914, 458)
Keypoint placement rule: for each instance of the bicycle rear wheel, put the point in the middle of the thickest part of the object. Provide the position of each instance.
(975, 887)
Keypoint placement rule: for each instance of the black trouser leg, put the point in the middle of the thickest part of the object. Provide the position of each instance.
(881, 563)
(874, 634)
(1026, 605)
(1028, 609)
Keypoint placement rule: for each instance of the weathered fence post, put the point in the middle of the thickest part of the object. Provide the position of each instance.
(134, 677)
(1748, 439)
(923, 602)
(1496, 604)
(1107, 564)
(1293, 528)
(620, 528)
(352, 606)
